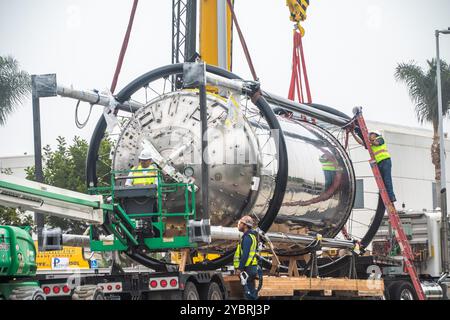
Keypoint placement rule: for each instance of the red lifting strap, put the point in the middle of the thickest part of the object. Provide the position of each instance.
(299, 69)
(124, 47)
(243, 42)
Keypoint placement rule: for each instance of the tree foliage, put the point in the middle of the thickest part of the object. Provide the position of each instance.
(12, 216)
(65, 168)
(14, 85)
(422, 86)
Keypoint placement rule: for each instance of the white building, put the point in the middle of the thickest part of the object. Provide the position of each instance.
(17, 164)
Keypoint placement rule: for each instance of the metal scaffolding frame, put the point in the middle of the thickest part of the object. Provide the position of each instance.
(184, 27)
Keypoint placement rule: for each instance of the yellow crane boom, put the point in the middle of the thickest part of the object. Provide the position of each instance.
(216, 36)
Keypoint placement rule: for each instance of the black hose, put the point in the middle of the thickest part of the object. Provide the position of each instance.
(375, 225)
(329, 110)
(325, 269)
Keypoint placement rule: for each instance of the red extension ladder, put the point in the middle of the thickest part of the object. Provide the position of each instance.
(394, 219)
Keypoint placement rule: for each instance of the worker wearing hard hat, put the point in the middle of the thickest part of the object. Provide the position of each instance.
(245, 258)
(329, 167)
(383, 159)
(144, 178)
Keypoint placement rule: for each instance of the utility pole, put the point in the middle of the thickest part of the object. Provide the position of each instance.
(38, 172)
(444, 217)
(41, 86)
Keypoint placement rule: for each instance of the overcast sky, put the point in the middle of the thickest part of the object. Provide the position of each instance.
(352, 48)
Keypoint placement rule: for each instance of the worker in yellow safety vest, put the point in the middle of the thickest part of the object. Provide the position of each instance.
(329, 168)
(144, 178)
(383, 159)
(245, 260)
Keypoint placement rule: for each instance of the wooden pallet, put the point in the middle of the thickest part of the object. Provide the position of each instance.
(286, 286)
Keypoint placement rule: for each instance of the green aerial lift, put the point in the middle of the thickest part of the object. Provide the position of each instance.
(111, 208)
(18, 265)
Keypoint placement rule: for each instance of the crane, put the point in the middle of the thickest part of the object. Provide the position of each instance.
(216, 29)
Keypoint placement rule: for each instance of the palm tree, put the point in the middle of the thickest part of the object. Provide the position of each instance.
(423, 92)
(14, 85)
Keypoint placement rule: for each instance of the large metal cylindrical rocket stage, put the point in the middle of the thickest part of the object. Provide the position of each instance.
(292, 175)
(243, 161)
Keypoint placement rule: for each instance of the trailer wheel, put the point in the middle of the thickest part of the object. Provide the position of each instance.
(386, 295)
(212, 292)
(388, 291)
(190, 292)
(402, 290)
(90, 292)
(27, 293)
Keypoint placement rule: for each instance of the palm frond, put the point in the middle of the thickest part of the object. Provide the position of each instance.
(423, 89)
(14, 85)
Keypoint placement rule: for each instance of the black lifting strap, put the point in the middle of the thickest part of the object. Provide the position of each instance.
(259, 268)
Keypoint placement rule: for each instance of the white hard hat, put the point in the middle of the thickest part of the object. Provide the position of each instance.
(248, 221)
(378, 133)
(145, 155)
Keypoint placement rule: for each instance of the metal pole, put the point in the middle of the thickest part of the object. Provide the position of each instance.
(205, 160)
(444, 217)
(190, 46)
(230, 233)
(38, 172)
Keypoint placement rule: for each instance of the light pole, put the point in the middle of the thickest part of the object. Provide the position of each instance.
(444, 218)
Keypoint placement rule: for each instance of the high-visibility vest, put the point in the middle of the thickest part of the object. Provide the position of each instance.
(328, 165)
(251, 260)
(150, 178)
(380, 152)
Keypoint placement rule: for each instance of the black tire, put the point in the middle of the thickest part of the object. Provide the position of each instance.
(39, 295)
(388, 285)
(402, 290)
(212, 292)
(89, 292)
(190, 292)
(27, 293)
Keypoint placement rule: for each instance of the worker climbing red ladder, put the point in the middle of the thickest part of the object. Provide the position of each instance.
(394, 219)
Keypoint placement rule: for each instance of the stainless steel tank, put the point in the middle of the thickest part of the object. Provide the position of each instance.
(243, 162)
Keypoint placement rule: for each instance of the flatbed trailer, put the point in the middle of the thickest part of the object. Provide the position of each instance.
(145, 284)
(134, 284)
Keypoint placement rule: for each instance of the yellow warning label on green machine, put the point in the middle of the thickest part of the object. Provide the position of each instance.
(68, 258)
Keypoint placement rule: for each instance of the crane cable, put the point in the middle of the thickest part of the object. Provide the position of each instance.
(123, 50)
